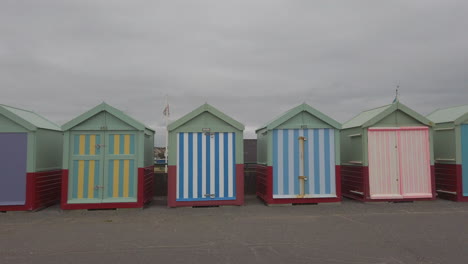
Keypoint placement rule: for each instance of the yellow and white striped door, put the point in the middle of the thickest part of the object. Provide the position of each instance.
(86, 167)
(120, 171)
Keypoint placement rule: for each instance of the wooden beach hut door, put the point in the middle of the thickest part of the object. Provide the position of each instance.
(464, 140)
(103, 167)
(399, 163)
(304, 163)
(206, 166)
(13, 162)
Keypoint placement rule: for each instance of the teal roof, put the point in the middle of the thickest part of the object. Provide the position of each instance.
(296, 110)
(27, 119)
(200, 110)
(456, 114)
(103, 107)
(372, 116)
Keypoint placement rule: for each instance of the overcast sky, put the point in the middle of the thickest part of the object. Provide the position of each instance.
(253, 60)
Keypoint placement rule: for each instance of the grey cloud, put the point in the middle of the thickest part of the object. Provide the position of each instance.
(251, 59)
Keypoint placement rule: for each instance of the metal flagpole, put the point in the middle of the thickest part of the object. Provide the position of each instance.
(166, 114)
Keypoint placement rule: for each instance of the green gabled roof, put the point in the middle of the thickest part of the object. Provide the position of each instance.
(296, 110)
(456, 114)
(27, 119)
(103, 107)
(200, 110)
(372, 116)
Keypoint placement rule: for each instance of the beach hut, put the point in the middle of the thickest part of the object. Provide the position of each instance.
(298, 157)
(451, 152)
(107, 161)
(206, 164)
(30, 160)
(386, 155)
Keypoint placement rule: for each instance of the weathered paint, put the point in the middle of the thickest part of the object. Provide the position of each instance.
(318, 165)
(13, 157)
(399, 163)
(464, 144)
(206, 166)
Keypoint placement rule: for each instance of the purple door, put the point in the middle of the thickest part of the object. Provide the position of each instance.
(13, 159)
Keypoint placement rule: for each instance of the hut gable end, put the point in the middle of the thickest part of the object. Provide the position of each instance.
(204, 115)
(111, 117)
(301, 115)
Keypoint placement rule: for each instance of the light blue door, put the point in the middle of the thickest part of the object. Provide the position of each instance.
(464, 140)
(307, 154)
(206, 166)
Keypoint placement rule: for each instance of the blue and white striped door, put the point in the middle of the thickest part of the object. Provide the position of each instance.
(206, 166)
(318, 165)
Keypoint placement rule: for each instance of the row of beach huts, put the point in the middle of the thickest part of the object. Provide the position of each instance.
(104, 158)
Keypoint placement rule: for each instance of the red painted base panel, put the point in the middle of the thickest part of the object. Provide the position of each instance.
(355, 185)
(144, 196)
(265, 189)
(42, 190)
(448, 178)
(172, 191)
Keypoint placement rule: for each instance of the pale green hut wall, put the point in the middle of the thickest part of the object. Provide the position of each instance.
(397, 119)
(445, 147)
(197, 124)
(44, 146)
(48, 151)
(303, 120)
(149, 148)
(352, 145)
(262, 147)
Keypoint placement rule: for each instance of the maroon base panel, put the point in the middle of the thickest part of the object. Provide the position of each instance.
(355, 185)
(265, 189)
(144, 193)
(172, 190)
(448, 178)
(42, 190)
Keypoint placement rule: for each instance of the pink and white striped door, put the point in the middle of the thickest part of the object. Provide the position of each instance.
(399, 163)
(415, 165)
(383, 164)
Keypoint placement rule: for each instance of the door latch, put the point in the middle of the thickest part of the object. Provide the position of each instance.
(97, 187)
(211, 195)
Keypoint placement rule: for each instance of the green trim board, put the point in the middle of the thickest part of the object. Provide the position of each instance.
(103, 107)
(199, 120)
(373, 116)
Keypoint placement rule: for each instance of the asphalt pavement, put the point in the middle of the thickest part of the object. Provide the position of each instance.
(350, 232)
